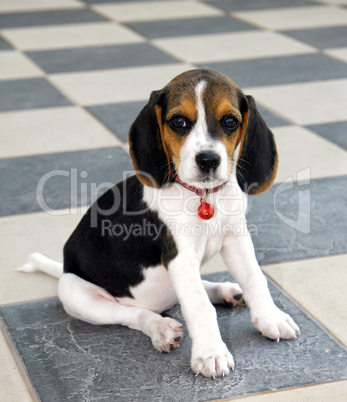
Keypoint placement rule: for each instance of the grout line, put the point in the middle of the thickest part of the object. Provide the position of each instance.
(18, 303)
(278, 391)
(19, 363)
(306, 312)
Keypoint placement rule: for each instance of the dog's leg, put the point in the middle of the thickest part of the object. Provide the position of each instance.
(90, 303)
(224, 293)
(239, 256)
(210, 355)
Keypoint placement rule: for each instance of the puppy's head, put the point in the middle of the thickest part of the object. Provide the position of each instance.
(193, 126)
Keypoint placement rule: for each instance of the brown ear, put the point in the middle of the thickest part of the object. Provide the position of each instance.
(258, 159)
(146, 148)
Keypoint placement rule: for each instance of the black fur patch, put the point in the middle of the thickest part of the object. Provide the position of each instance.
(258, 161)
(146, 147)
(113, 249)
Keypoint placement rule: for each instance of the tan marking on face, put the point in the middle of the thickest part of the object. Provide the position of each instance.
(187, 109)
(172, 144)
(222, 93)
(231, 142)
(178, 104)
(224, 108)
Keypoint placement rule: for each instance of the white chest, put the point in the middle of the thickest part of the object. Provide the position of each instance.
(178, 207)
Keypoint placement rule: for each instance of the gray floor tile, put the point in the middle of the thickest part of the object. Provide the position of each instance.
(275, 240)
(271, 119)
(20, 177)
(281, 70)
(334, 132)
(4, 45)
(69, 359)
(118, 118)
(100, 57)
(29, 94)
(193, 26)
(323, 38)
(238, 5)
(41, 18)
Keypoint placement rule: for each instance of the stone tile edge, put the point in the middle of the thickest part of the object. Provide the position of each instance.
(18, 362)
(278, 391)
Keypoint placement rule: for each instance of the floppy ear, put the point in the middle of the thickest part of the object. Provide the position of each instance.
(146, 148)
(258, 159)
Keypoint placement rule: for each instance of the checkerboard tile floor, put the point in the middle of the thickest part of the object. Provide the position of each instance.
(73, 76)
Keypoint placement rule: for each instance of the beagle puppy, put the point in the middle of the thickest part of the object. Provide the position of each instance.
(139, 248)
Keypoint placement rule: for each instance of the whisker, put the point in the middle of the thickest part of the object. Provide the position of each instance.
(244, 160)
(241, 167)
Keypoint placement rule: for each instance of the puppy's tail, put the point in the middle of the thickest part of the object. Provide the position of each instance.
(38, 262)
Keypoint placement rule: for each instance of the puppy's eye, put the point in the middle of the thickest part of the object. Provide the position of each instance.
(179, 124)
(230, 122)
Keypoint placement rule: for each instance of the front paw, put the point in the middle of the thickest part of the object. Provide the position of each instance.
(212, 361)
(275, 324)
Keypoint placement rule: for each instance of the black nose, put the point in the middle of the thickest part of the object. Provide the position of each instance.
(207, 161)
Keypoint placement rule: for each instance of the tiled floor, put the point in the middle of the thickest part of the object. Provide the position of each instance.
(73, 76)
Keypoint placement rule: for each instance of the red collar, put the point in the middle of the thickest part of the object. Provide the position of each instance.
(199, 191)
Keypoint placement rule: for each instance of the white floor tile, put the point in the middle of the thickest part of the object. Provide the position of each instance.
(114, 86)
(22, 235)
(147, 11)
(7, 6)
(319, 285)
(295, 18)
(338, 53)
(231, 46)
(306, 103)
(215, 264)
(52, 130)
(300, 149)
(15, 65)
(70, 36)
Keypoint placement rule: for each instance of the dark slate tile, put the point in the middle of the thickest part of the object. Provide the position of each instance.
(242, 5)
(29, 94)
(119, 117)
(69, 359)
(281, 70)
(334, 132)
(185, 27)
(271, 119)
(54, 17)
(56, 179)
(4, 45)
(322, 38)
(100, 57)
(286, 227)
